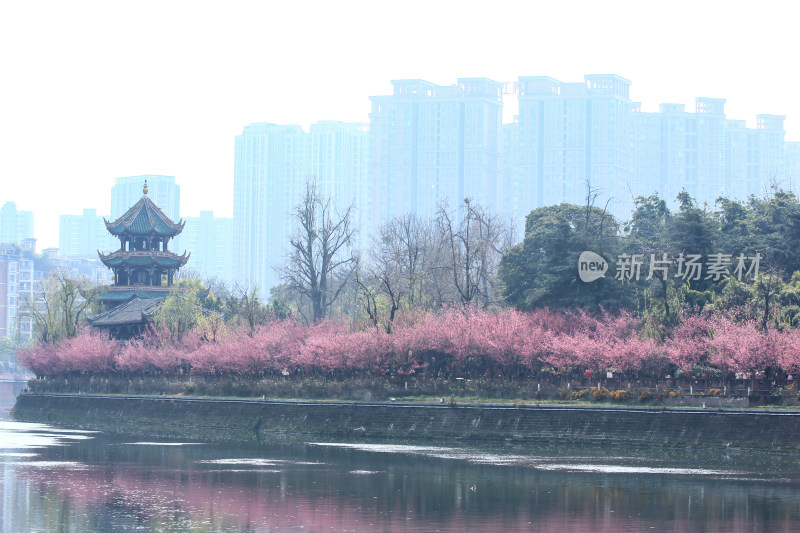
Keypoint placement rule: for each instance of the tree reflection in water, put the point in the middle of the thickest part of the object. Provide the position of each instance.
(105, 485)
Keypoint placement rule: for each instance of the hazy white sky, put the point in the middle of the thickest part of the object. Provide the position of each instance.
(91, 91)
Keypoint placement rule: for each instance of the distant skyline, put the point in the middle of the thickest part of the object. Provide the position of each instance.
(96, 91)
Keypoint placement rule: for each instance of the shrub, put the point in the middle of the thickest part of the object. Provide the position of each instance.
(567, 394)
(620, 395)
(668, 395)
(504, 347)
(600, 394)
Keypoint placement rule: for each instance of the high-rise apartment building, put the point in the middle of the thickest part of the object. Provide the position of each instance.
(15, 225)
(210, 241)
(270, 167)
(674, 150)
(339, 158)
(272, 164)
(572, 138)
(18, 277)
(433, 143)
(755, 156)
(83, 235)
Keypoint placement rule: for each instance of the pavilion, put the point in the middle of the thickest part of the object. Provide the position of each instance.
(144, 268)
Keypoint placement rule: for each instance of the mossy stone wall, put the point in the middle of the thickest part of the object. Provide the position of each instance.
(256, 421)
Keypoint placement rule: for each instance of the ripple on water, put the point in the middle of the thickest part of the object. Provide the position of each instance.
(246, 471)
(241, 462)
(21, 436)
(52, 465)
(565, 464)
(66, 436)
(9, 425)
(143, 443)
(621, 469)
(254, 461)
(383, 448)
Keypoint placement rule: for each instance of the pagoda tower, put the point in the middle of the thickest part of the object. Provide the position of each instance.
(144, 268)
(143, 265)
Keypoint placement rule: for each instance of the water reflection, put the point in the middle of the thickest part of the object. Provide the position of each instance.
(537, 462)
(56, 480)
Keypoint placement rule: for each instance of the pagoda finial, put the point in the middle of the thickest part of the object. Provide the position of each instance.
(144, 189)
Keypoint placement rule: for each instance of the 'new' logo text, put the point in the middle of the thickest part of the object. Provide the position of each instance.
(591, 266)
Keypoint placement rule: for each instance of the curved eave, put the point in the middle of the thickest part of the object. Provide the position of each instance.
(112, 262)
(114, 228)
(145, 218)
(119, 228)
(123, 259)
(174, 262)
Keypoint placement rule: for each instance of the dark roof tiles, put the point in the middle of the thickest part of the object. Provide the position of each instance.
(144, 218)
(145, 259)
(135, 311)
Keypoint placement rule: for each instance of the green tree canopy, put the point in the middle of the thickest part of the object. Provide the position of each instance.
(542, 270)
(182, 308)
(769, 226)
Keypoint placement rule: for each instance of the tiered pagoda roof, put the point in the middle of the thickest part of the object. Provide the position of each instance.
(143, 267)
(144, 259)
(144, 218)
(116, 294)
(133, 312)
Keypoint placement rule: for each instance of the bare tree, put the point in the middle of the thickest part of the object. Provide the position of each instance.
(249, 306)
(320, 260)
(368, 295)
(405, 244)
(428, 262)
(57, 305)
(474, 243)
(395, 274)
(399, 256)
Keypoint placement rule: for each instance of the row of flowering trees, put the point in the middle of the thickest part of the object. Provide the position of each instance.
(457, 341)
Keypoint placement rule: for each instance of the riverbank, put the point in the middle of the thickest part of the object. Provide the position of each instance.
(265, 421)
(617, 390)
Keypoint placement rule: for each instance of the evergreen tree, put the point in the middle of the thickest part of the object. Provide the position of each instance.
(542, 271)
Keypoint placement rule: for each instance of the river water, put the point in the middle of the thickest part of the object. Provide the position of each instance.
(60, 480)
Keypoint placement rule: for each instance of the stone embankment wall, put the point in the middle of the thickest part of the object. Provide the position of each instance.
(255, 421)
